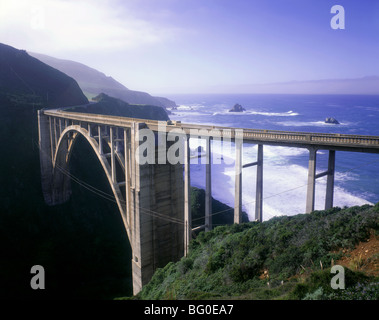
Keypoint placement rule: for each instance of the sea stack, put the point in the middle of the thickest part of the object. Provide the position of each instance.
(331, 120)
(237, 108)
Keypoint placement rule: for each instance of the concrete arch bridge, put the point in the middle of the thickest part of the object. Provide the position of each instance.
(147, 164)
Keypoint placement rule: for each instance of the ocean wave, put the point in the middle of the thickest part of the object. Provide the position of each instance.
(260, 113)
(276, 114)
(183, 113)
(309, 124)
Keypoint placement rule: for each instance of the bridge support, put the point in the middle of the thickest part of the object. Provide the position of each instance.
(310, 205)
(312, 176)
(259, 188)
(330, 180)
(151, 205)
(208, 185)
(238, 183)
(156, 213)
(56, 186)
(187, 196)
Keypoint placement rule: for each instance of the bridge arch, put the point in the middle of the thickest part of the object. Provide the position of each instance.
(61, 171)
(149, 197)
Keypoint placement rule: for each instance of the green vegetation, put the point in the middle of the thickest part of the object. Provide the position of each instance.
(223, 214)
(286, 257)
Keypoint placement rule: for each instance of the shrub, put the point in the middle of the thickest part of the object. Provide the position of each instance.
(318, 285)
(229, 260)
(361, 291)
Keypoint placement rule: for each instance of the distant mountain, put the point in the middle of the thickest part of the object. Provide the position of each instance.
(94, 82)
(364, 85)
(21, 74)
(112, 106)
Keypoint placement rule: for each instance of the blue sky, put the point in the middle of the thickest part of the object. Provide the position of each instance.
(172, 46)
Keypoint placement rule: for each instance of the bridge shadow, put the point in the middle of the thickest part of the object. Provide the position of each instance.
(94, 259)
(100, 246)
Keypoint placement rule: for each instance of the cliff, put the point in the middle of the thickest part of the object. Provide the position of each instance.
(22, 74)
(94, 82)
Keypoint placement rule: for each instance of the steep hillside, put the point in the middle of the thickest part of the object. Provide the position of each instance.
(21, 74)
(111, 106)
(287, 257)
(94, 82)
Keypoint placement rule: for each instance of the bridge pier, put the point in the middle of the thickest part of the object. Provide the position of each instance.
(157, 213)
(330, 180)
(208, 185)
(312, 176)
(259, 187)
(56, 186)
(310, 204)
(238, 183)
(187, 195)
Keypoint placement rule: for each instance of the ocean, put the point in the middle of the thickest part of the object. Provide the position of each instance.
(286, 169)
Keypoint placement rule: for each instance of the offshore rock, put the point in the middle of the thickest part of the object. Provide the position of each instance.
(237, 108)
(331, 120)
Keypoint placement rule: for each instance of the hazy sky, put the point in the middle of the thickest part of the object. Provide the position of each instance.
(169, 46)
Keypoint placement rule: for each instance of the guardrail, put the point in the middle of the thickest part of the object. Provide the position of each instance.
(261, 135)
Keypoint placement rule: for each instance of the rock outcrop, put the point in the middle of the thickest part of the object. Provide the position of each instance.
(237, 108)
(331, 120)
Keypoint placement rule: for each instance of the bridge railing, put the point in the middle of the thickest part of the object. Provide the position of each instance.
(312, 137)
(247, 134)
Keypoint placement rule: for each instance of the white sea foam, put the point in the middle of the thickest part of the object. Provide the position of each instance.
(184, 113)
(309, 123)
(276, 114)
(262, 113)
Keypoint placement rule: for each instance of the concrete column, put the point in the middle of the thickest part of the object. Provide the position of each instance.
(238, 183)
(330, 180)
(100, 140)
(157, 223)
(89, 130)
(55, 134)
(127, 176)
(136, 225)
(259, 188)
(52, 147)
(187, 197)
(113, 164)
(60, 127)
(310, 205)
(208, 186)
(45, 152)
(56, 187)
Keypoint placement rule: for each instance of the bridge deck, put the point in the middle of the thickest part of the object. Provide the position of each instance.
(328, 141)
